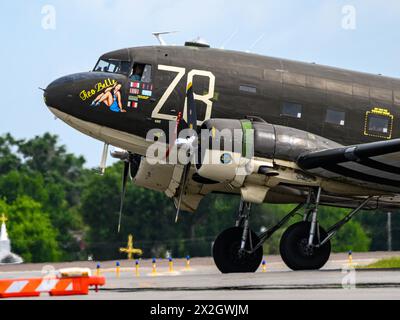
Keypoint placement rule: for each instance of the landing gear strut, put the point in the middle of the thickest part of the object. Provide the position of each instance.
(299, 246)
(304, 245)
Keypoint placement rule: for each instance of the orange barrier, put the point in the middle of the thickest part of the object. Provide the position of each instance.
(18, 288)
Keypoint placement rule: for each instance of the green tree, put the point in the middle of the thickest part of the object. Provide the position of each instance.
(9, 160)
(43, 154)
(30, 230)
(375, 224)
(44, 171)
(352, 236)
(148, 215)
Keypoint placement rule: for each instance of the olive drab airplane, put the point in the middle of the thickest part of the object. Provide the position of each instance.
(311, 135)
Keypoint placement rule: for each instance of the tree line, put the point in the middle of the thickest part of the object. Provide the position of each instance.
(60, 210)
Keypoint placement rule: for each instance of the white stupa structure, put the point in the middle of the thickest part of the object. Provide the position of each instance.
(6, 256)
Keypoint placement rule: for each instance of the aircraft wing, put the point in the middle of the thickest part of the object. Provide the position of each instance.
(375, 165)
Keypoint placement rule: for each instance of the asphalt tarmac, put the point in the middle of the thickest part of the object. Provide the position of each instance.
(202, 281)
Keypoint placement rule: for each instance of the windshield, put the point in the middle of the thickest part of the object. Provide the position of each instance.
(112, 66)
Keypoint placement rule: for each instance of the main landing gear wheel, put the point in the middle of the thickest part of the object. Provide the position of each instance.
(230, 259)
(297, 254)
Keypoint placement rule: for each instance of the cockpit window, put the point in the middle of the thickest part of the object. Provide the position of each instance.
(112, 66)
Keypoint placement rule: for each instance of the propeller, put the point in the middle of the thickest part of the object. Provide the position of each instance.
(191, 108)
(191, 116)
(125, 176)
(131, 164)
(129, 158)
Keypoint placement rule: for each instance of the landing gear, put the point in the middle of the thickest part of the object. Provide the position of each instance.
(304, 245)
(234, 250)
(228, 256)
(298, 254)
(300, 245)
(239, 249)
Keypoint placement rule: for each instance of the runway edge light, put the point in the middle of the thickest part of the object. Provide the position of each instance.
(154, 270)
(350, 258)
(187, 262)
(137, 266)
(264, 266)
(118, 269)
(98, 270)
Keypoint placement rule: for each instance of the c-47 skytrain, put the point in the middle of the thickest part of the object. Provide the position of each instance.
(301, 133)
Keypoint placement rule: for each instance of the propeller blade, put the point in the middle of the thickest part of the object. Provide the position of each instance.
(178, 209)
(124, 181)
(191, 108)
(191, 116)
(183, 186)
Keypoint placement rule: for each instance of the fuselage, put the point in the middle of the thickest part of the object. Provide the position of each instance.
(343, 106)
(290, 110)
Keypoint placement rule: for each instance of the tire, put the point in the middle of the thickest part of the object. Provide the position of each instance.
(226, 252)
(295, 251)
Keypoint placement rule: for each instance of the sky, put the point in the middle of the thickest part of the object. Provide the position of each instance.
(44, 40)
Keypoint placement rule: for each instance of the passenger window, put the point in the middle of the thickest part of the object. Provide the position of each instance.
(379, 123)
(146, 77)
(292, 110)
(335, 117)
(141, 72)
(248, 89)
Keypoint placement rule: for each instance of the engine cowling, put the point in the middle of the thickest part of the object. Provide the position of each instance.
(155, 177)
(235, 149)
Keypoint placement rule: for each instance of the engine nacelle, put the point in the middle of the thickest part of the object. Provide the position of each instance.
(154, 177)
(222, 166)
(235, 149)
(220, 156)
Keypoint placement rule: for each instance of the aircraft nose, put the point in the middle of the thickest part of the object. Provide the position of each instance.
(73, 94)
(59, 92)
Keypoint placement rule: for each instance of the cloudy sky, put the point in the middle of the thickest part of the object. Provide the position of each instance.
(360, 35)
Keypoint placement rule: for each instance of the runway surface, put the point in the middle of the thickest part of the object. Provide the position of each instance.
(204, 282)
